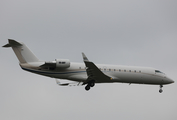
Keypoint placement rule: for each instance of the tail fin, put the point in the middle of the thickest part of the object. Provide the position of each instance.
(22, 52)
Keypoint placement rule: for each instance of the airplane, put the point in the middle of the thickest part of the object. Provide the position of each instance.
(86, 73)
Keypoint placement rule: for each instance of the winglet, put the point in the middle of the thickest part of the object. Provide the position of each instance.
(84, 57)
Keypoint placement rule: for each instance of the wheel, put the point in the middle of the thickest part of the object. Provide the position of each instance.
(160, 91)
(87, 87)
(92, 84)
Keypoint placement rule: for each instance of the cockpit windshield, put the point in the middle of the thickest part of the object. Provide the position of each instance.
(158, 71)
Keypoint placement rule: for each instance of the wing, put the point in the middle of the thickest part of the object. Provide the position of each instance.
(69, 83)
(93, 72)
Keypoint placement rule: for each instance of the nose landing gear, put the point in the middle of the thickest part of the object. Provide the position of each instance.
(160, 90)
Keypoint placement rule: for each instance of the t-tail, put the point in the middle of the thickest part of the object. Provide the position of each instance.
(22, 52)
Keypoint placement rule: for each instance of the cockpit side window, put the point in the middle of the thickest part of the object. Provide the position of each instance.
(157, 71)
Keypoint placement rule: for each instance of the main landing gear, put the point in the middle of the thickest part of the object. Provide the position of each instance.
(90, 84)
(160, 90)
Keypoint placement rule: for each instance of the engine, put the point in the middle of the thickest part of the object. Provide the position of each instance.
(62, 63)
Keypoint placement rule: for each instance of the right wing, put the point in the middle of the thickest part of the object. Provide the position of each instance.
(93, 72)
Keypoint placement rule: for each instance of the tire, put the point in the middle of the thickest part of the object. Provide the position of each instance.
(87, 87)
(92, 84)
(160, 91)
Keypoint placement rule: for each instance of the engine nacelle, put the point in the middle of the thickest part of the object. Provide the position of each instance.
(62, 63)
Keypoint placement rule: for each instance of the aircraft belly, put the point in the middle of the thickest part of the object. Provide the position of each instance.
(140, 78)
(151, 79)
(77, 77)
(71, 75)
(126, 78)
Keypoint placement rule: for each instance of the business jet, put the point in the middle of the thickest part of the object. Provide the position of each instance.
(86, 73)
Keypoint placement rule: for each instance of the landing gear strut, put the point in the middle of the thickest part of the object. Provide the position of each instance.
(160, 90)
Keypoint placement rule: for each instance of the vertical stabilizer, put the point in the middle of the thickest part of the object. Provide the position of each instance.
(22, 52)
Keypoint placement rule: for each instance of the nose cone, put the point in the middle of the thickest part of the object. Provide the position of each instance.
(169, 81)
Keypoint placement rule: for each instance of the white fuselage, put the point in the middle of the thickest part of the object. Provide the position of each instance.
(118, 73)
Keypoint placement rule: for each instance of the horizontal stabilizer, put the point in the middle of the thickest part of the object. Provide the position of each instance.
(12, 43)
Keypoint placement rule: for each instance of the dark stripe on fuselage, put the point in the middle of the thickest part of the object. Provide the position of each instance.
(45, 72)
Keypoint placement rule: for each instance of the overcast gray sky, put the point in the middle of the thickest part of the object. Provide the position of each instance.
(122, 32)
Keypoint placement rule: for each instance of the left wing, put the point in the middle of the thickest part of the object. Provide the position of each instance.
(93, 72)
(68, 84)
